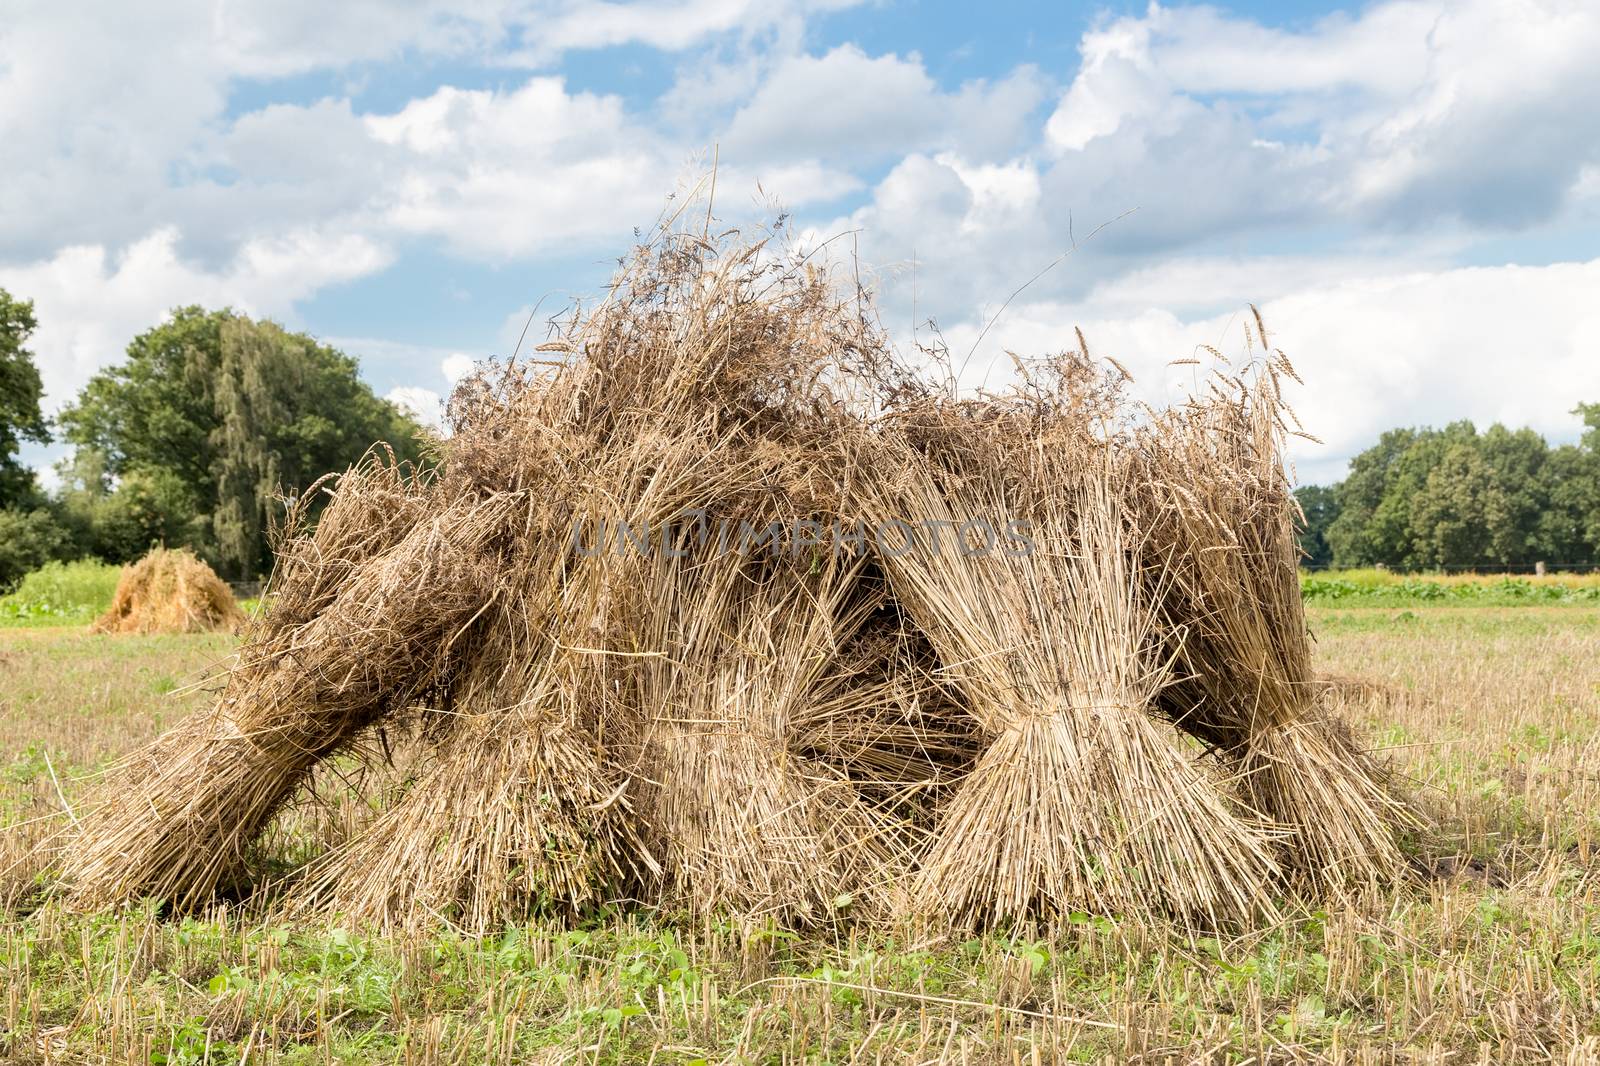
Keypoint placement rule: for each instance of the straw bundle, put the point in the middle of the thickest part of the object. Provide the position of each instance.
(516, 812)
(170, 591)
(178, 821)
(620, 697)
(1220, 509)
(1080, 800)
(742, 817)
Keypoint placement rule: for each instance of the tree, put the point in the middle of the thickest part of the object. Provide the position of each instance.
(210, 417)
(1374, 523)
(1590, 413)
(1320, 505)
(1455, 497)
(119, 523)
(1587, 492)
(28, 540)
(1516, 461)
(1452, 517)
(1569, 524)
(20, 393)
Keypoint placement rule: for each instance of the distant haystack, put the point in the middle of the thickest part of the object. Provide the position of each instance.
(170, 591)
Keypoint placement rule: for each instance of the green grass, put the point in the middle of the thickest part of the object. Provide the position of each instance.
(1405, 621)
(631, 990)
(61, 594)
(1382, 588)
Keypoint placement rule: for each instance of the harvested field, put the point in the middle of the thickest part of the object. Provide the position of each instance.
(632, 659)
(1491, 712)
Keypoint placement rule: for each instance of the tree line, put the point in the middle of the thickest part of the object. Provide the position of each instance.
(1426, 498)
(190, 441)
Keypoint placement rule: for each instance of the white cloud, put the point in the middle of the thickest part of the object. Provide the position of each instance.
(501, 174)
(1479, 137)
(285, 164)
(1377, 351)
(1117, 81)
(498, 174)
(844, 101)
(131, 139)
(1204, 285)
(846, 104)
(456, 366)
(91, 302)
(956, 234)
(1417, 112)
(1379, 143)
(1385, 51)
(671, 25)
(424, 405)
(99, 105)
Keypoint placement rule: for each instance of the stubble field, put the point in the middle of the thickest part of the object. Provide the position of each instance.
(1492, 956)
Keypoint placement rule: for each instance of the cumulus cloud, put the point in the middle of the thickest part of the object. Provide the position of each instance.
(500, 174)
(456, 366)
(90, 301)
(424, 405)
(139, 135)
(96, 143)
(672, 25)
(1384, 142)
(1394, 125)
(1376, 350)
(847, 104)
(1410, 111)
(1383, 148)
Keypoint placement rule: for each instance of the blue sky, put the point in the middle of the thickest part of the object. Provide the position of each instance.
(1410, 189)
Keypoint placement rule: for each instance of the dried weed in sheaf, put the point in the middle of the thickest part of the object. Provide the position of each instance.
(612, 702)
(748, 809)
(176, 821)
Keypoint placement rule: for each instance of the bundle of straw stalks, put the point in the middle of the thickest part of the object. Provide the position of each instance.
(177, 824)
(1221, 515)
(1081, 800)
(637, 668)
(743, 812)
(170, 590)
(516, 811)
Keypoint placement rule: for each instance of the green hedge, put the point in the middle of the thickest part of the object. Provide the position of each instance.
(61, 594)
(1376, 588)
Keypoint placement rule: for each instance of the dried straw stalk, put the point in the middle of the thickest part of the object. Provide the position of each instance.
(1080, 800)
(176, 819)
(1216, 498)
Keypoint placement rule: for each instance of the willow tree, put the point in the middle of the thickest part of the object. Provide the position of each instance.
(239, 412)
